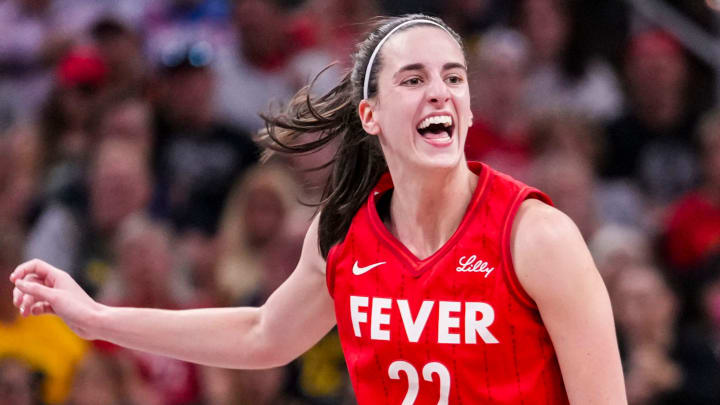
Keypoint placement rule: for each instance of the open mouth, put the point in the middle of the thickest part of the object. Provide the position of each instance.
(438, 127)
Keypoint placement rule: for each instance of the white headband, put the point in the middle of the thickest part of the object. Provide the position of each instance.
(382, 41)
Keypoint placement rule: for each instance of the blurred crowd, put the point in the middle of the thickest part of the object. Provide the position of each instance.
(127, 158)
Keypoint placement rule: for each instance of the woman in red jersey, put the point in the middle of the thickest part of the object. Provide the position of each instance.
(449, 282)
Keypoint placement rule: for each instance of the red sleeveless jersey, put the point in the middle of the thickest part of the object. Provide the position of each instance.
(454, 328)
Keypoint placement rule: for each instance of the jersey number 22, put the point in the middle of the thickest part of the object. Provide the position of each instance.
(414, 381)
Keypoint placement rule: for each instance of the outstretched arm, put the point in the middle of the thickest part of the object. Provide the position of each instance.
(296, 316)
(555, 267)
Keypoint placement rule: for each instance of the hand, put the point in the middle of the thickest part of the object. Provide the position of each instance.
(43, 289)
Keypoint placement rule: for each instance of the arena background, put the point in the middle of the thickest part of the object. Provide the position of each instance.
(126, 158)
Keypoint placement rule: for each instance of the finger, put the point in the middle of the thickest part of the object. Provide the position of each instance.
(38, 291)
(27, 303)
(17, 297)
(41, 308)
(35, 266)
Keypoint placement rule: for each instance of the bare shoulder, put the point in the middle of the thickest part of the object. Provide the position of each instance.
(548, 251)
(537, 223)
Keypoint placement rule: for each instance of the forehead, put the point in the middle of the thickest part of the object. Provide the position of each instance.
(424, 44)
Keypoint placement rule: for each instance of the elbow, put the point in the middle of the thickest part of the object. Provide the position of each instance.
(270, 354)
(262, 347)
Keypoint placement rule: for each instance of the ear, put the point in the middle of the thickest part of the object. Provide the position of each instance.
(472, 119)
(367, 117)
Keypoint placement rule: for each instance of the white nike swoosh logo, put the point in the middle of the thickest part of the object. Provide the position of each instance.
(357, 270)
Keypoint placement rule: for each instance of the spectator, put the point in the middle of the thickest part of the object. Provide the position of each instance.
(253, 387)
(108, 378)
(143, 268)
(121, 50)
(117, 185)
(65, 140)
(198, 255)
(145, 276)
(273, 56)
(19, 175)
(570, 134)
(198, 156)
(568, 179)
(564, 72)
(171, 24)
(470, 18)
(501, 125)
(33, 35)
(615, 248)
(697, 349)
(261, 209)
(566, 132)
(125, 116)
(692, 232)
(652, 143)
(18, 383)
(337, 25)
(646, 311)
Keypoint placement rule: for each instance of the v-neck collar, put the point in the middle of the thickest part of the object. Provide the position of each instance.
(415, 266)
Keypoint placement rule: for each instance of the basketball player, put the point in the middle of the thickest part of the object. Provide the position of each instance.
(450, 283)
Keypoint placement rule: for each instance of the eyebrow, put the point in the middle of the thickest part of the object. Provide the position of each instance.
(420, 66)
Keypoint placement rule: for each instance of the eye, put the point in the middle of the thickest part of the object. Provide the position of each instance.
(412, 81)
(455, 79)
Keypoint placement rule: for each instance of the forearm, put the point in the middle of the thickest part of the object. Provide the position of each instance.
(294, 318)
(221, 337)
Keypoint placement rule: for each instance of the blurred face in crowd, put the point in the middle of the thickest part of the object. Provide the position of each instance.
(502, 71)
(129, 121)
(568, 180)
(123, 56)
(645, 308)
(415, 87)
(656, 71)
(188, 96)
(95, 382)
(119, 184)
(264, 215)
(545, 24)
(261, 24)
(144, 257)
(16, 387)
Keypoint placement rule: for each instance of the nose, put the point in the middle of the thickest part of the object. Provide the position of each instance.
(437, 91)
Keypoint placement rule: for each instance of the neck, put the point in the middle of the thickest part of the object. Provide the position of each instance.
(427, 208)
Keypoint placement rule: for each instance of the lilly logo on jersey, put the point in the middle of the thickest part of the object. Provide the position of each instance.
(471, 264)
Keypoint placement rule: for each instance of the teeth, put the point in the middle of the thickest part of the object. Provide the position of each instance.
(445, 120)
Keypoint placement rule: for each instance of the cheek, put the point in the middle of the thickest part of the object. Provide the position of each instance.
(463, 107)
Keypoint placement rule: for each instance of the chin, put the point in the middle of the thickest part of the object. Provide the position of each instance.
(447, 157)
(440, 161)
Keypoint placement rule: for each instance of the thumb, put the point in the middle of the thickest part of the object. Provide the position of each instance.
(37, 290)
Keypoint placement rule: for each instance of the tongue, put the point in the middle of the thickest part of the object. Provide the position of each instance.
(441, 134)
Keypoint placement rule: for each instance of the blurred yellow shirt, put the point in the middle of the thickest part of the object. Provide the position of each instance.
(49, 346)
